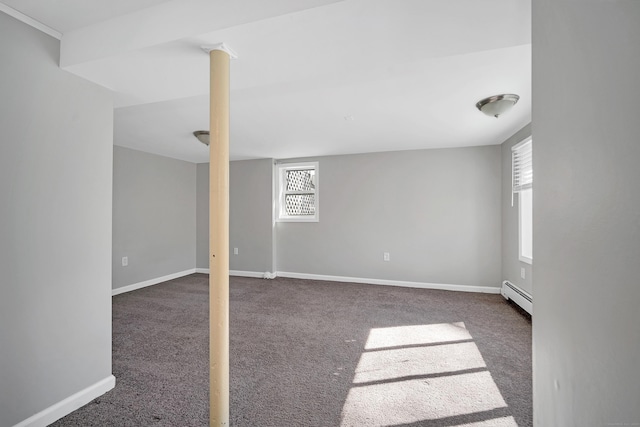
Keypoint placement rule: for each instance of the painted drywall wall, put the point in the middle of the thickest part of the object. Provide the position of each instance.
(586, 328)
(511, 263)
(250, 224)
(154, 216)
(55, 226)
(202, 215)
(437, 212)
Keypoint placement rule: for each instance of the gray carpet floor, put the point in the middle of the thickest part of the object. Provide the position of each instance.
(313, 353)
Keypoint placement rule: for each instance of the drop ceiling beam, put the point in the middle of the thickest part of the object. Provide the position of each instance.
(167, 22)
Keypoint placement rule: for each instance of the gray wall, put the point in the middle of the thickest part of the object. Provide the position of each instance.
(250, 204)
(55, 226)
(511, 263)
(202, 215)
(586, 330)
(154, 216)
(436, 211)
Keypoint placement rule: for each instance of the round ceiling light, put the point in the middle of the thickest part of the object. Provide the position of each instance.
(496, 105)
(203, 136)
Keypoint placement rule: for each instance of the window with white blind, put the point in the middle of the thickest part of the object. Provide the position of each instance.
(522, 163)
(297, 192)
(522, 185)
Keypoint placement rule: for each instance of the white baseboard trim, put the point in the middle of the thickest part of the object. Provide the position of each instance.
(70, 404)
(150, 282)
(385, 282)
(270, 275)
(240, 273)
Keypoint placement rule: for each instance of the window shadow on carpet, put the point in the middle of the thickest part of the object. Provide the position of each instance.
(423, 375)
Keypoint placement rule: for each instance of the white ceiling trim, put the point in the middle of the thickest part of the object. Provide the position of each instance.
(30, 21)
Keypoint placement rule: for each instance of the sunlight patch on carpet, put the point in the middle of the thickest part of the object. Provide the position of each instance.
(416, 334)
(415, 373)
(388, 365)
(494, 422)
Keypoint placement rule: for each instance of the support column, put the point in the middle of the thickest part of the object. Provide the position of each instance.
(219, 235)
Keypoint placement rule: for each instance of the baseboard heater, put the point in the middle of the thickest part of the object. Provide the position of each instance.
(517, 295)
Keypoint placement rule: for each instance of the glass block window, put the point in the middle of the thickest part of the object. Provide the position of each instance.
(298, 192)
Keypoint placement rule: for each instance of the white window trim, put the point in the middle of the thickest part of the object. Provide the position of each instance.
(527, 186)
(280, 184)
(521, 257)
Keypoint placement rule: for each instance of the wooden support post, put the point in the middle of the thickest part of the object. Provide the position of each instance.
(219, 239)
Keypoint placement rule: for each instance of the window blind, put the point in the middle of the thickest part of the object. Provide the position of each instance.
(522, 167)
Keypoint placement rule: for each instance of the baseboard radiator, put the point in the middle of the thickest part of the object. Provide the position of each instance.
(517, 295)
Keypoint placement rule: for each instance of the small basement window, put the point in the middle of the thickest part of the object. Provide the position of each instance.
(298, 192)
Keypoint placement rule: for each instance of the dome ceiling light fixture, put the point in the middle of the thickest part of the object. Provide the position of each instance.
(203, 136)
(497, 105)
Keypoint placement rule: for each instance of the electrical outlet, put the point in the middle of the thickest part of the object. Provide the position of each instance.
(235, 251)
(125, 261)
(523, 272)
(386, 256)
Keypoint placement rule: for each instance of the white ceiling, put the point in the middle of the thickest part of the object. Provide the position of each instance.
(67, 15)
(314, 77)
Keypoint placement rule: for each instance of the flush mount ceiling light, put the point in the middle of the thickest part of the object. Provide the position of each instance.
(496, 105)
(203, 136)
